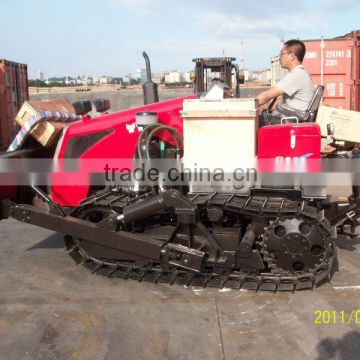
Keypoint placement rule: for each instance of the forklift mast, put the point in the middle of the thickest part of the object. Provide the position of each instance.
(222, 66)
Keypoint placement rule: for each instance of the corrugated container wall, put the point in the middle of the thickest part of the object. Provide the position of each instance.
(13, 92)
(335, 63)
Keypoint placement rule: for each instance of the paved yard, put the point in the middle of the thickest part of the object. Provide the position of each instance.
(51, 308)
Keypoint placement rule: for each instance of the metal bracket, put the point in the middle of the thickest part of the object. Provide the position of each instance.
(136, 244)
(183, 257)
(351, 214)
(289, 118)
(185, 210)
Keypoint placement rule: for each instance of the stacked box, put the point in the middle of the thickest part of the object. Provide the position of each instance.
(346, 123)
(46, 132)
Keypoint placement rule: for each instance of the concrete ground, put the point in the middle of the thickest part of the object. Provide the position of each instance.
(52, 309)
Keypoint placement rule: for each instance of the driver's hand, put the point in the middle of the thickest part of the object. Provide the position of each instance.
(263, 107)
(328, 149)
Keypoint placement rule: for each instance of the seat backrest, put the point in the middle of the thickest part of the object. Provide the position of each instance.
(309, 115)
(315, 102)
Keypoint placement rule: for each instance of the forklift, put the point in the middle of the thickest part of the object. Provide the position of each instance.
(223, 67)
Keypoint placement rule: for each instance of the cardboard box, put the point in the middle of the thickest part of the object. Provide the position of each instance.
(346, 123)
(46, 132)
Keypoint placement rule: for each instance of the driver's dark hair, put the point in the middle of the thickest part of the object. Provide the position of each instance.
(296, 47)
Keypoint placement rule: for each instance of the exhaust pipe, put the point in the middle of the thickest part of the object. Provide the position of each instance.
(150, 88)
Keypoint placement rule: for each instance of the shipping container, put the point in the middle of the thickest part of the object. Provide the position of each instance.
(335, 63)
(13, 92)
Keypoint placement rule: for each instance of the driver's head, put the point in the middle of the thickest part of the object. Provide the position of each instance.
(292, 53)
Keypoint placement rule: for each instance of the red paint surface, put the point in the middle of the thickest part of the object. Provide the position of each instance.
(289, 148)
(120, 144)
(275, 141)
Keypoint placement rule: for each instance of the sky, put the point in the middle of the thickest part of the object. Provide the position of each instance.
(107, 37)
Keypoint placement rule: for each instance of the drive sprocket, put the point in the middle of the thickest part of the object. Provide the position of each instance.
(296, 245)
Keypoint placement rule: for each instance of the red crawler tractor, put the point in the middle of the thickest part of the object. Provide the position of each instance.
(260, 237)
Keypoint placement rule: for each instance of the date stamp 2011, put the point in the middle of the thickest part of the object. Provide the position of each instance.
(341, 317)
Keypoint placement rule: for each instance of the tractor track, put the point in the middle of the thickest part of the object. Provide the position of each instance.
(275, 280)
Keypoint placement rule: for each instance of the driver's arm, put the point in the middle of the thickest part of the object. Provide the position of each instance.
(269, 94)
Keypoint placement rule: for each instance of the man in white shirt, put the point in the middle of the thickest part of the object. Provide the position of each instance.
(296, 89)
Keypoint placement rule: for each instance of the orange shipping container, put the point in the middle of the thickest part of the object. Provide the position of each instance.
(335, 63)
(13, 92)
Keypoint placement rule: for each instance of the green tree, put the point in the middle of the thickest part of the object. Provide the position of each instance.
(37, 83)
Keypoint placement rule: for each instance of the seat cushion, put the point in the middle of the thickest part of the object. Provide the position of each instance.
(286, 111)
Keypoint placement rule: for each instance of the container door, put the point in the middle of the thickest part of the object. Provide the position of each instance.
(13, 92)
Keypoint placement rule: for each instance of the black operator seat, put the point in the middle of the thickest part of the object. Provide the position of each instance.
(309, 115)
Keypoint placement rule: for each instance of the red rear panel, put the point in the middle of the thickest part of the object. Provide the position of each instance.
(299, 140)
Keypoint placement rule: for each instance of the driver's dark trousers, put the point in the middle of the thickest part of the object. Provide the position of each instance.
(269, 118)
